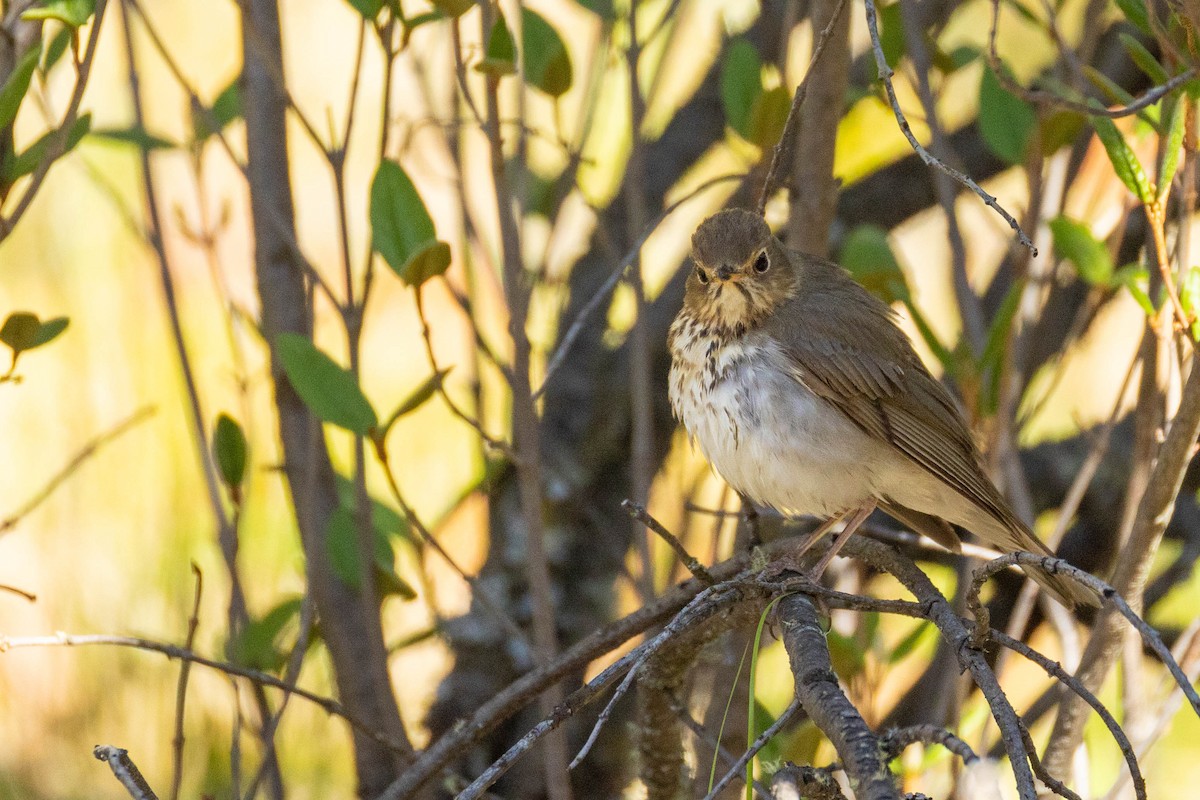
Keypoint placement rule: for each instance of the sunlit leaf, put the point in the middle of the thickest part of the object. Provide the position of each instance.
(1074, 242)
(69, 12)
(909, 643)
(27, 161)
(330, 391)
(769, 116)
(401, 229)
(547, 62)
(1172, 147)
(1136, 279)
(229, 450)
(1125, 162)
(17, 85)
(1189, 296)
(1006, 122)
(57, 48)
(1059, 129)
(500, 56)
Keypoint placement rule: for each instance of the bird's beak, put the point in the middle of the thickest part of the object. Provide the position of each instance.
(724, 272)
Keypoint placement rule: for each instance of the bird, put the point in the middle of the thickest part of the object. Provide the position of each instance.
(805, 396)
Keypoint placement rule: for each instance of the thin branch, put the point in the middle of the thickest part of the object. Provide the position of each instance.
(885, 75)
(738, 770)
(171, 651)
(88, 450)
(894, 742)
(782, 154)
(58, 142)
(1091, 107)
(691, 562)
(185, 669)
(125, 770)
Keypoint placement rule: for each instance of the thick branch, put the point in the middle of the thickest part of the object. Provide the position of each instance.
(818, 691)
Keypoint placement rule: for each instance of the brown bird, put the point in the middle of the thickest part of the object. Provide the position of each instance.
(805, 396)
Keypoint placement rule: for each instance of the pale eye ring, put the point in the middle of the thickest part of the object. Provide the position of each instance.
(762, 263)
(701, 275)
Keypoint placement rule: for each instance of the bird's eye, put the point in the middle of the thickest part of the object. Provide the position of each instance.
(701, 275)
(762, 263)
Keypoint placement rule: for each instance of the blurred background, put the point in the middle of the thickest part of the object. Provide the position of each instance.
(111, 549)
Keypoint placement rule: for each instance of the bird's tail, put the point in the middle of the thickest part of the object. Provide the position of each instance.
(1066, 590)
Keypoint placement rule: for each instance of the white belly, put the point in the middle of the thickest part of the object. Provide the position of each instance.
(768, 436)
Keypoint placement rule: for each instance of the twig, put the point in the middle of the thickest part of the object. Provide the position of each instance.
(781, 155)
(694, 566)
(185, 669)
(58, 142)
(30, 596)
(739, 767)
(330, 705)
(701, 733)
(1092, 107)
(1055, 670)
(1039, 769)
(606, 289)
(83, 455)
(894, 742)
(1056, 566)
(127, 773)
(885, 75)
(805, 783)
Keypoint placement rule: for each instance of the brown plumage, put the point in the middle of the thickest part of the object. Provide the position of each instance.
(806, 396)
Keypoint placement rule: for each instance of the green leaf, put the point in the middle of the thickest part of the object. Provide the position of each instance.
(846, 654)
(909, 643)
(1144, 59)
(868, 256)
(1171, 148)
(418, 398)
(387, 521)
(24, 331)
(17, 85)
(741, 85)
(138, 137)
(229, 450)
(368, 8)
(994, 348)
(547, 62)
(1189, 296)
(601, 8)
(258, 646)
(1006, 122)
(891, 33)
(1074, 242)
(330, 391)
(1136, 279)
(401, 229)
(500, 57)
(1124, 160)
(453, 8)
(342, 543)
(69, 12)
(225, 108)
(57, 48)
(768, 116)
(1135, 12)
(27, 162)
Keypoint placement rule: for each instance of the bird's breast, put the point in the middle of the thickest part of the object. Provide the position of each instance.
(766, 434)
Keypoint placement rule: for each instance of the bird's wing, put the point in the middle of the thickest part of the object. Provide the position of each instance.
(850, 353)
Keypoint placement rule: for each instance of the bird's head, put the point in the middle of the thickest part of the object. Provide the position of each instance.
(741, 272)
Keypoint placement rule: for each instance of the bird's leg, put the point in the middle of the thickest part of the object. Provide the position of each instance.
(790, 561)
(853, 524)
